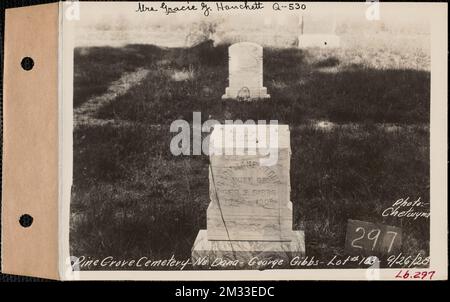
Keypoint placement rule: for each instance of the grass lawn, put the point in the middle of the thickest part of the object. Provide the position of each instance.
(131, 197)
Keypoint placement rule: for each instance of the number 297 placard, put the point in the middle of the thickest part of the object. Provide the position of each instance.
(365, 238)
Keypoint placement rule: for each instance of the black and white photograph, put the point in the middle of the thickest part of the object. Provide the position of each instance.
(261, 136)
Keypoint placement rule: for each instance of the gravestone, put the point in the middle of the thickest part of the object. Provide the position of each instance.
(245, 65)
(318, 31)
(250, 212)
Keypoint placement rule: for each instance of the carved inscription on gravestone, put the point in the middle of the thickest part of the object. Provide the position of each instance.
(250, 201)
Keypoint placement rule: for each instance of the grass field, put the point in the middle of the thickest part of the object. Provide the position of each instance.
(132, 197)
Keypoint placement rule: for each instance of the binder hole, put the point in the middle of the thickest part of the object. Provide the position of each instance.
(27, 63)
(26, 220)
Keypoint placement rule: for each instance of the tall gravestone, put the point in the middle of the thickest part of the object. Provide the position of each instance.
(245, 65)
(250, 213)
(318, 31)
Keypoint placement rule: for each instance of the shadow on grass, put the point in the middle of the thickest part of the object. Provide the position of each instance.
(132, 198)
(299, 90)
(95, 68)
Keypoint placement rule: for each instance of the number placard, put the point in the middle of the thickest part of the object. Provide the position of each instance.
(365, 238)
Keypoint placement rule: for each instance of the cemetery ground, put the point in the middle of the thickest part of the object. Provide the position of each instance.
(359, 139)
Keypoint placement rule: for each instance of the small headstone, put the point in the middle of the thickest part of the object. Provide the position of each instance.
(250, 211)
(318, 31)
(245, 72)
